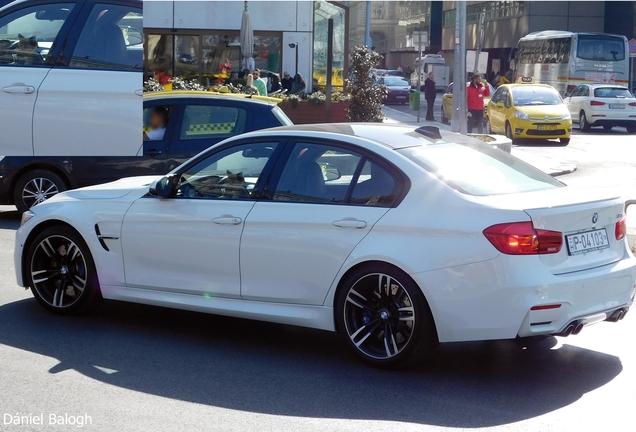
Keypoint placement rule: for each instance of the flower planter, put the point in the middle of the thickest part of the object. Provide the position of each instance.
(306, 113)
(499, 141)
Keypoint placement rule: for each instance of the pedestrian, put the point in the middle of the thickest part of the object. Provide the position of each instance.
(287, 82)
(276, 86)
(249, 87)
(299, 85)
(259, 83)
(475, 93)
(233, 77)
(430, 92)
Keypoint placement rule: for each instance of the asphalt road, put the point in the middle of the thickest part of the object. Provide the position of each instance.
(139, 368)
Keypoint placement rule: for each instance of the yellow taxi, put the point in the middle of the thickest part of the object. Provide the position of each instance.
(447, 101)
(320, 77)
(529, 110)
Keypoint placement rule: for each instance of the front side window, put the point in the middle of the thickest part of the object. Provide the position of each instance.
(229, 174)
(212, 121)
(111, 39)
(27, 35)
(577, 91)
(156, 120)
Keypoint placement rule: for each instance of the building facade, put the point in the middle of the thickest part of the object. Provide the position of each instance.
(507, 21)
(200, 40)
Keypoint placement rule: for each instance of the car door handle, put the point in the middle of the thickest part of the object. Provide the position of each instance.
(350, 223)
(19, 88)
(153, 152)
(227, 220)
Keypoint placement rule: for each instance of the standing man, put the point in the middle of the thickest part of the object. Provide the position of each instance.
(287, 82)
(430, 92)
(259, 83)
(475, 93)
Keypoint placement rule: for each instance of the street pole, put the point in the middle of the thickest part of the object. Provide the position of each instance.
(458, 119)
(367, 26)
(296, 60)
(329, 67)
(419, 74)
(479, 41)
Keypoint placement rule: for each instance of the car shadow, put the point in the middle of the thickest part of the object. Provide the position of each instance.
(533, 142)
(282, 370)
(9, 218)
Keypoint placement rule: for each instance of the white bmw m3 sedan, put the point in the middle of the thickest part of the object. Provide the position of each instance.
(395, 236)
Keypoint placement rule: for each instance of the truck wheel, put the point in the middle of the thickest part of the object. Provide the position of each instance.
(36, 186)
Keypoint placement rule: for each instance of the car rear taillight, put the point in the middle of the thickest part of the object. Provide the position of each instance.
(521, 238)
(632, 104)
(596, 103)
(621, 229)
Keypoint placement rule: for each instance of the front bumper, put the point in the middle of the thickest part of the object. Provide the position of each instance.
(541, 130)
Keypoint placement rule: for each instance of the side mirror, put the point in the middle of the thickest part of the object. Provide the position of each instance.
(164, 187)
(330, 172)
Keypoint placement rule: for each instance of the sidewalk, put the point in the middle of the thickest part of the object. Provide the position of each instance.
(547, 165)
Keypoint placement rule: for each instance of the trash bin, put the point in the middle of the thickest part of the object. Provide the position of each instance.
(414, 99)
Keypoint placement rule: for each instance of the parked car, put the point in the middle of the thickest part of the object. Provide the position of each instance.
(398, 89)
(196, 121)
(529, 111)
(606, 105)
(447, 101)
(396, 236)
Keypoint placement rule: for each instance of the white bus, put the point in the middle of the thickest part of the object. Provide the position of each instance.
(564, 59)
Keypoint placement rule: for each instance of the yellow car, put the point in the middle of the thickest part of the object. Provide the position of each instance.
(529, 111)
(320, 78)
(447, 101)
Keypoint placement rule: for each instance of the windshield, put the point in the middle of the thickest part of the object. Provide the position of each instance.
(396, 82)
(612, 92)
(480, 170)
(601, 48)
(535, 95)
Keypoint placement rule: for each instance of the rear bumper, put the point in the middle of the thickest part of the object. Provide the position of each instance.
(494, 299)
(602, 121)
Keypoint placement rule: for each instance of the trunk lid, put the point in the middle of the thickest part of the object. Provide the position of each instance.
(586, 218)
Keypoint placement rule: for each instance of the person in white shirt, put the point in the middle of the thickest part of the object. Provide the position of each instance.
(158, 123)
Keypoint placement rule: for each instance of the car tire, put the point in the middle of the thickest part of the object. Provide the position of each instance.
(509, 131)
(36, 186)
(488, 128)
(60, 271)
(631, 129)
(564, 141)
(444, 119)
(583, 124)
(385, 301)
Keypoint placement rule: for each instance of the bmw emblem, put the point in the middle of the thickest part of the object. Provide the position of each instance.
(595, 218)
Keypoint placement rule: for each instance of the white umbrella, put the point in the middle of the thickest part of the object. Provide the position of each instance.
(246, 38)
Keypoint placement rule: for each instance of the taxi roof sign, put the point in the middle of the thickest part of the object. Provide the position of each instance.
(525, 80)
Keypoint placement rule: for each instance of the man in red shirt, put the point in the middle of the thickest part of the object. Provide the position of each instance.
(475, 94)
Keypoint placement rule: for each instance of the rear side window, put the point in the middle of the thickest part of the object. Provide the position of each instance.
(211, 121)
(479, 169)
(612, 92)
(112, 38)
(27, 35)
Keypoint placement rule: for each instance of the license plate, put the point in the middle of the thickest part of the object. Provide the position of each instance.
(548, 127)
(616, 106)
(587, 241)
(400, 97)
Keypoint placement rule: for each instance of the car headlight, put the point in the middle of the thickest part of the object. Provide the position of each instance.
(26, 216)
(566, 116)
(521, 115)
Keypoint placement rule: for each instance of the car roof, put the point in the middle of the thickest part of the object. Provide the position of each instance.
(392, 136)
(607, 85)
(177, 94)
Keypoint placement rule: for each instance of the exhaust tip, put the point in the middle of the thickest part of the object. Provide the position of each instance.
(568, 331)
(578, 329)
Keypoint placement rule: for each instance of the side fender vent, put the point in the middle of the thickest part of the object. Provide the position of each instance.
(102, 237)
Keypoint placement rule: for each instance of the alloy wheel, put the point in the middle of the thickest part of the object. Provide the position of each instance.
(379, 316)
(58, 271)
(583, 124)
(38, 190)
